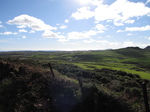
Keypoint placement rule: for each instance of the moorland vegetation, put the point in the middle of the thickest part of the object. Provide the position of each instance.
(85, 81)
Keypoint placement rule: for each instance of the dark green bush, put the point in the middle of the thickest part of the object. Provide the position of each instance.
(133, 92)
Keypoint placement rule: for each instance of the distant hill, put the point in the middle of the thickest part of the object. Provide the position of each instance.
(131, 52)
(136, 48)
(147, 48)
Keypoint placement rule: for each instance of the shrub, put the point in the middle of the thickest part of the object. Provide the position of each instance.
(133, 92)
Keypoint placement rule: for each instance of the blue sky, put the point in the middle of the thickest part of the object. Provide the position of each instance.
(73, 24)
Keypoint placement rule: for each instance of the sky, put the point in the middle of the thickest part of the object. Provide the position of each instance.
(74, 24)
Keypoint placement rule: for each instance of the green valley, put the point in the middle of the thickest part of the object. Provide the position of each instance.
(74, 81)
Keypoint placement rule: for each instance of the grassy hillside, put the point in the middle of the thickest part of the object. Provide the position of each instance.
(131, 60)
(85, 81)
(28, 85)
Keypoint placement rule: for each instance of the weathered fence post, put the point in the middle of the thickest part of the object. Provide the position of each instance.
(145, 95)
(50, 67)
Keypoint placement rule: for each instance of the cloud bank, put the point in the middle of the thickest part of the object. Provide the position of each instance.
(120, 12)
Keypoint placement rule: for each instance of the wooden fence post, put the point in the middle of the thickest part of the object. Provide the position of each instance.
(50, 67)
(145, 96)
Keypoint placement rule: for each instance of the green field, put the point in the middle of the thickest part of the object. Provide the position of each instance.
(131, 60)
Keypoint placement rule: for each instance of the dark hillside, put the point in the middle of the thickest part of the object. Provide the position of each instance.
(23, 89)
(32, 89)
(147, 48)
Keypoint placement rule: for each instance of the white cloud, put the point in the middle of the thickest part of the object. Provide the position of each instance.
(104, 12)
(21, 26)
(121, 11)
(91, 32)
(83, 13)
(114, 44)
(63, 27)
(129, 21)
(133, 44)
(120, 31)
(66, 21)
(128, 43)
(100, 27)
(9, 33)
(118, 24)
(31, 22)
(23, 30)
(144, 28)
(108, 21)
(129, 34)
(129, 9)
(105, 44)
(24, 37)
(131, 29)
(32, 31)
(49, 34)
(124, 10)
